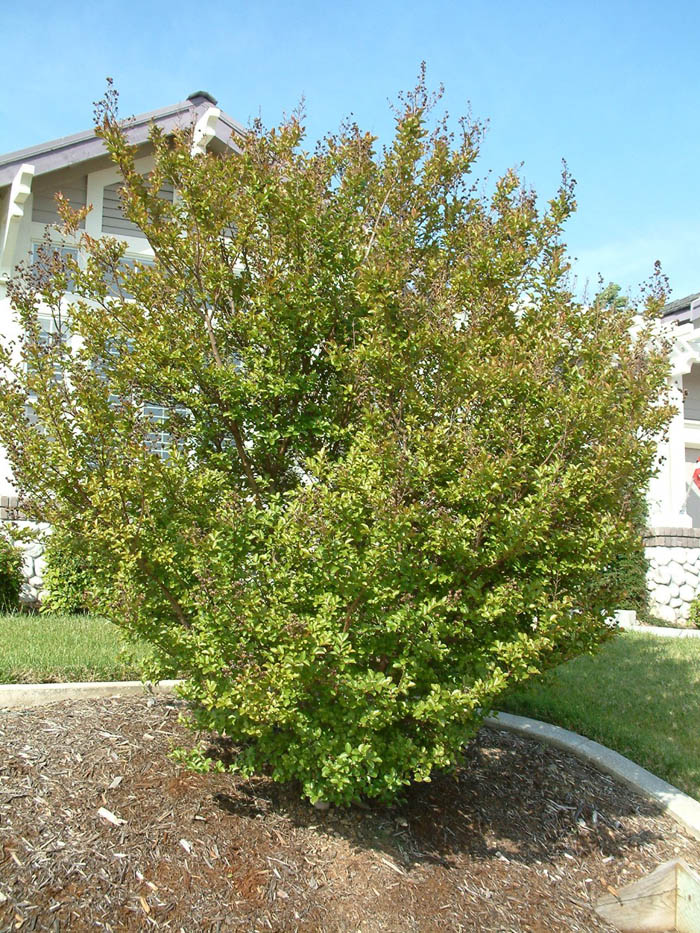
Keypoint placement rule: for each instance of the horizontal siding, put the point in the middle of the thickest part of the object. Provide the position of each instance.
(72, 186)
(113, 220)
(691, 384)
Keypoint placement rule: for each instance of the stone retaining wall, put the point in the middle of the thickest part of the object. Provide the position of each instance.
(33, 569)
(674, 571)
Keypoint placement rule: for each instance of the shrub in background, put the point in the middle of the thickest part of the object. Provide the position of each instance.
(10, 575)
(694, 614)
(67, 574)
(625, 577)
(401, 456)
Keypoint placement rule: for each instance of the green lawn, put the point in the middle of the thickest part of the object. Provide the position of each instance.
(49, 648)
(640, 695)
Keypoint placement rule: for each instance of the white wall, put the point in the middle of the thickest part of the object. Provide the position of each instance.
(8, 329)
(691, 386)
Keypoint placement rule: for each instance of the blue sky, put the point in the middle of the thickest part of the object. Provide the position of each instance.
(612, 87)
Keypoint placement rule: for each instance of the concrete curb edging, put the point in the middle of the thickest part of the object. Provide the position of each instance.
(660, 630)
(684, 809)
(28, 695)
(626, 619)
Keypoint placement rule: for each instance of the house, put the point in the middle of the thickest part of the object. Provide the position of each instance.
(672, 545)
(79, 167)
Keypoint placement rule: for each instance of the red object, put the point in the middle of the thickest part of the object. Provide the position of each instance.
(695, 481)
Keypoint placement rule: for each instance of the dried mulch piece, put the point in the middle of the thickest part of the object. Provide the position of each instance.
(99, 829)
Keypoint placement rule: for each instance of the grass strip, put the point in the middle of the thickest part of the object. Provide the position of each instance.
(639, 695)
(55, 648)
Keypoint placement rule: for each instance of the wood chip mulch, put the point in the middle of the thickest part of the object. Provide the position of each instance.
(100, 830)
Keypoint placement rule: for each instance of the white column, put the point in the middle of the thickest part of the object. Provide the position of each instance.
(667, 492)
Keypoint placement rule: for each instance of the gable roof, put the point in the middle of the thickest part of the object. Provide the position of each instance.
(679, 310)
(69, 150)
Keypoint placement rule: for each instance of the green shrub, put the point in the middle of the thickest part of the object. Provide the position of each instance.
(401, 454)
(694, 614)
(67, 574)
(625, 577)
(11, 577)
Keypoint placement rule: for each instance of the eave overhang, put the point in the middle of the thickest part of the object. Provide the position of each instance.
(81, 147)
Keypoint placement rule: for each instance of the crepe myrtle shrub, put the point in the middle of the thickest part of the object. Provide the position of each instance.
(399, 452)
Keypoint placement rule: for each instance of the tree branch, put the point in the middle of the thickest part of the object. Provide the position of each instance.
(172, 601)
(376, 223)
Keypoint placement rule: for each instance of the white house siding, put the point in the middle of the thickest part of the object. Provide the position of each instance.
(114, 222)
(8, 324)
(8, 328)
(72, 183)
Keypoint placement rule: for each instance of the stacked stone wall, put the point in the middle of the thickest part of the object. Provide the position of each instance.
(673, 577)
(33, 564)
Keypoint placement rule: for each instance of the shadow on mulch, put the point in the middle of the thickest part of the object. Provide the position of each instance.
(510, 798)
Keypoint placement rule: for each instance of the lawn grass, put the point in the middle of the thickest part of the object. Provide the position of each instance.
(640, 695)
(54, 648)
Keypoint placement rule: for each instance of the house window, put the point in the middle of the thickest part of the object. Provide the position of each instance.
(115, 287)
(158, 440)
(691, 387)
(52, 334)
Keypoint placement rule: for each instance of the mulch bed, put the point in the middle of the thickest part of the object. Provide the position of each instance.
(521, 838)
